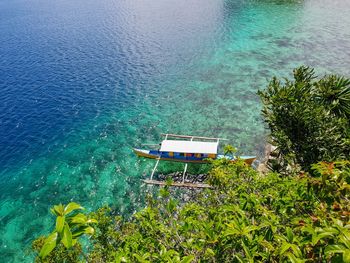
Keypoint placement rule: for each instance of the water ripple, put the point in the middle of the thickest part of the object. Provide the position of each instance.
(84, 81)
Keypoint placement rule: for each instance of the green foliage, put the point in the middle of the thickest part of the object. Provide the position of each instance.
(246, 217)
(331, 181)
(308, 119)
(59, 254)
(334, 92)
(229, 150)
(70, 225)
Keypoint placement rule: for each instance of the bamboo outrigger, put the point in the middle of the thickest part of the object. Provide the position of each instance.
(186, 149)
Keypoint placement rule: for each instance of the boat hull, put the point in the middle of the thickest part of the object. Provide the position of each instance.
(157, 155)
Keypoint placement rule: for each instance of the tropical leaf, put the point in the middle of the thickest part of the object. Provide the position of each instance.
(346, 256)
(67, 236)
(71, 207)
(333, 249)
(294, 259)
(83, 229)
(49, 245)
(187, 259)
(285, 246)
(296, 250)
(89, 230)
(322, 234)
(58, 210)
(79, 219)
(60, 220)
(290, 235)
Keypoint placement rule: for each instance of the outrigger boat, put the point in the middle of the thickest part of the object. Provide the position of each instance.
(186, 149)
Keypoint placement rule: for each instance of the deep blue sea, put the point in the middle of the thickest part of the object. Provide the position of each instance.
(82, 82)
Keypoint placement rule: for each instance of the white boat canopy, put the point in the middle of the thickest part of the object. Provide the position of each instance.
(189, 146)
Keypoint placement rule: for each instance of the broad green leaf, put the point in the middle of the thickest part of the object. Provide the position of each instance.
(74, 241)
(82, 219)
(290, 235)
(329, 230)
(60, 220)
(293, 259)
(67, 237)
(53, 212)
(338, 222)
(346, 232)
(318, 237)
(344, 241)
(58, 210)
(346, 256)
(89, 230)
(231, 232)
(77, 232)
(285, 246)
(308, 229)
(249, 229)
(210, 252)
(49, 245)
(187, 259)
(79, 219)
(121, 258)
(139, 258)
(71, 207)
(331, 249)
(296, 250)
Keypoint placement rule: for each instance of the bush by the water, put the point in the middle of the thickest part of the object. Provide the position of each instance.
(297, 216)
(309, 119)
(247, 217)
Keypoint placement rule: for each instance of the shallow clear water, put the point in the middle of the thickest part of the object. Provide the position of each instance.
(81, 82)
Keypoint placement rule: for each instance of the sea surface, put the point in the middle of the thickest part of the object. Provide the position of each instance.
(83, 81)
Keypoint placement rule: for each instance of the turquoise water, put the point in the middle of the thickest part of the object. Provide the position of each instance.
(84, 81)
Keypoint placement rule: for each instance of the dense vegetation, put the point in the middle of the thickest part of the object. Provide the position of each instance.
(309, 119)
(300, 215)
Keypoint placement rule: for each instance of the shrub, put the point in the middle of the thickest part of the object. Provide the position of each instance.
(308, 118)
(246, 217)
(63, 241)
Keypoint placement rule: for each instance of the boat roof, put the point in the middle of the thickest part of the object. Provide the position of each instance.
(182, 146)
